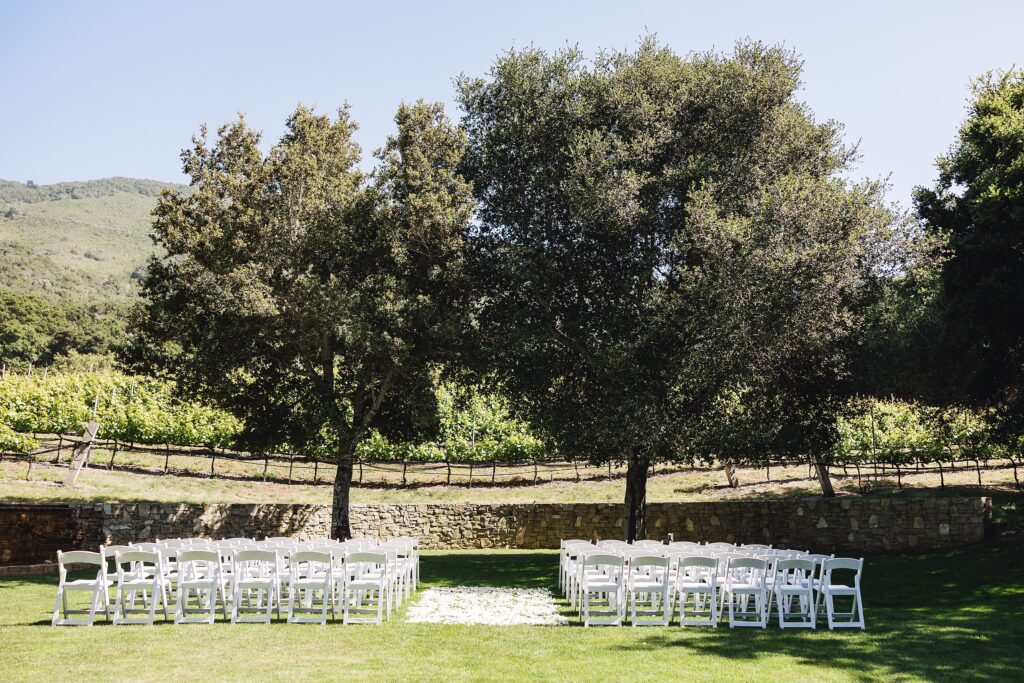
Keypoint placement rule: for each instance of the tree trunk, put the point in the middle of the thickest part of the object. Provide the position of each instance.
(826, 482)
(636, 497)
(730, 474)
(341, 529)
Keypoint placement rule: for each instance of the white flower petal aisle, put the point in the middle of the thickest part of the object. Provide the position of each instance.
(485, 606)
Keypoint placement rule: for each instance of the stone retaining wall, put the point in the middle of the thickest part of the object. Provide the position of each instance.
(33, 533)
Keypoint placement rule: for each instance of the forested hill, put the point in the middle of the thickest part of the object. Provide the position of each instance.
(70, 257)
(81, 242)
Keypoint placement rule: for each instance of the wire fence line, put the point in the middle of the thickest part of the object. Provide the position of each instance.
(111, 454)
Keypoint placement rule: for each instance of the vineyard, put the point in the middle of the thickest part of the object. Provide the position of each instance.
(145, 427)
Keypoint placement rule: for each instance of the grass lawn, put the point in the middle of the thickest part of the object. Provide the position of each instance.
(947, 616)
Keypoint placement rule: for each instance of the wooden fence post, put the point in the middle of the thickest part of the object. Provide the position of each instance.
(81, 454)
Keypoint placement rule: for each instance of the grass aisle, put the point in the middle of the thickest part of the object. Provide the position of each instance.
(946, 616)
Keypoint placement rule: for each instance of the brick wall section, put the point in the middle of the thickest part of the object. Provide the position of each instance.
(33, 533)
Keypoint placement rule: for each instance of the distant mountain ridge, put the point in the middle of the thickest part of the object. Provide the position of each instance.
(81, 242)
(12, 191)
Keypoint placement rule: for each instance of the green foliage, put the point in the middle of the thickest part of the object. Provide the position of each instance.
(12, 442)
(900, 432)
(34, 330)
(975, 350)
(131, 409)
(474, 427)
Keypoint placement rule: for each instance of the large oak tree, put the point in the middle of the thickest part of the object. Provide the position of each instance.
(670, 264)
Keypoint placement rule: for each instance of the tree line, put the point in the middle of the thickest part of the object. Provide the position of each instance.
(652, 256)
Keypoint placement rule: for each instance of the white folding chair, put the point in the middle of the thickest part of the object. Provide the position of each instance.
(601, 583)
(311, 577)
(140, 587)
(647, 583)
(366, 581)
(255, 584)
(697, 579)
(794, 581)
(199, 573)
(831, 590)
(97, 587)
(746, 582)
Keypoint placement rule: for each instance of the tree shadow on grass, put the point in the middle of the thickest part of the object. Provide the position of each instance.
(943, 616)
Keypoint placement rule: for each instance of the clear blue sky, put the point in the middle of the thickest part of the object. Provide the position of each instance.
(95, 89)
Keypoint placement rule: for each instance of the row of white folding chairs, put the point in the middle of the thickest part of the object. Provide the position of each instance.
(365, 576)
(747, 582)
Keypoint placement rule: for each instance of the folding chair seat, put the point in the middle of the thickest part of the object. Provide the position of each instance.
(746, 582)
(96, 586)
(647, 583)
(366, 581)
(254, 586)
(794, 582)
(199, 575)
(697, 579)
(311, 577)
(140, 587)
(830, 590)
(601, 588)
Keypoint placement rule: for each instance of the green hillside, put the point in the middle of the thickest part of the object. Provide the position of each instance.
(70, 256)
(76, 242)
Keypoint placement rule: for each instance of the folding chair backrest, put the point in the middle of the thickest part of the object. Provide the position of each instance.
(365, 557)
(648, 561)
(135, 562)
(80, 557)
(698, 561)
(198, 556)
(268, 557)
(308, 563)
(748, 563)
(602, 559)
(110, 552)
(843, 564)
(798, 565)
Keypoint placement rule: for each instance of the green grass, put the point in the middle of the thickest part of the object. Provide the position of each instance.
(949, 616)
